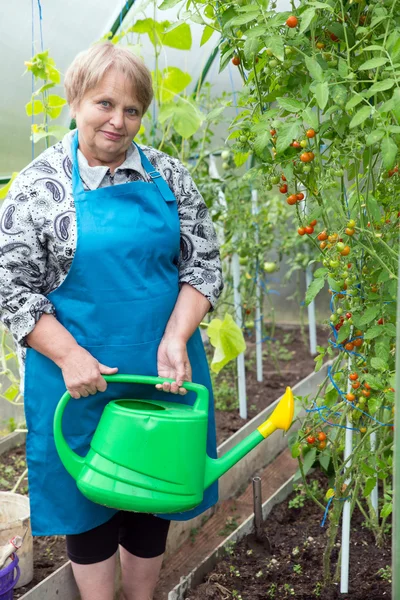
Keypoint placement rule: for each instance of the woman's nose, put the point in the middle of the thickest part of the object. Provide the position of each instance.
(117, 119)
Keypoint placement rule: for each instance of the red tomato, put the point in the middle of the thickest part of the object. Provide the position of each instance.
(236, 60)
(292, 21)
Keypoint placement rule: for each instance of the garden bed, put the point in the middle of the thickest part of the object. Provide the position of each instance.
(293, 566)
(294, 362)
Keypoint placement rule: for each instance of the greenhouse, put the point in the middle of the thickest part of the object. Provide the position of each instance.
(199, 272)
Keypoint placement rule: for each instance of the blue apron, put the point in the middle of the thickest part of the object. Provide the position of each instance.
(116, 301)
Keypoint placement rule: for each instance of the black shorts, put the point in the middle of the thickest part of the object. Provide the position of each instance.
(141, 534)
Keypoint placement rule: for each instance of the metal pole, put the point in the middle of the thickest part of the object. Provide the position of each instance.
(239, 320)
(257, 503)
(312, 326)
(258, 319)
(396, 461)
(344, 572)
(374, 493)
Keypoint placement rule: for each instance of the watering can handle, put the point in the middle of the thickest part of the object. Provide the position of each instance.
(72, 461)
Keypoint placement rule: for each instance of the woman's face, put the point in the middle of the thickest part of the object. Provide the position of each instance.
(108, 118)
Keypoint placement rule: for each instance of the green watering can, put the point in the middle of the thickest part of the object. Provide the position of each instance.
(150, 456)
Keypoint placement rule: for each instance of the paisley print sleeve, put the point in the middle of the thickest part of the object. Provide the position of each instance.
(22, 264)
(199, 262)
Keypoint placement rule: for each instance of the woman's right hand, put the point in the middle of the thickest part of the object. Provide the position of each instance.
(83, 373)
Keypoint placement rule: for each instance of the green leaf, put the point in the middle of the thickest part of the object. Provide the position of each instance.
(324, 459)
(334, 285)
(310, 117)
(240, 158)
(286, 134)
(54, 101)
(215, 113)
(369, 486)
(290, 104)
(366, 469)
(36, 107)
(251, 47)
(242, 19)
(4, 190)
(261, 141)
(321, 272)
(322, 94)
(186, 118)
(306, 18)
(386, 510)
(166, 4)
(354, 100)
(373, 381)
(309, 460)
(389, 152)
(314, 68)
(343, 68)
(207, 33)
(180, 37)
(373, 63)
(374, 405)
(379, 364)
(373, 208)
(275, 43)
(11, 393)
(225, 58)
(171, 82)
(227, 339)
(314, 288)
(373, 332)
(362, 115)
(382, 348)
(369, 315)
(375, 136)
(380, 86)
(344, 333)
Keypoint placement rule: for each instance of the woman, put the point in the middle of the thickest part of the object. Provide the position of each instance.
(109, 261)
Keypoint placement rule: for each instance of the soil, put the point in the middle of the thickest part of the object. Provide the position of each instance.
(293, 566)
(286, 361)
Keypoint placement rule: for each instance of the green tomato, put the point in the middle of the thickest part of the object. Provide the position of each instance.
(243, 260)
(339, 311)
(270, 267)
(275, 180)
(243, 139)
(344, 275)
(288, 51)
(340, 246)
(269, 52)
(273, 63)
(268, 187)
(306, 169)
(333, 318)
(304, 143)
(225, 154)
(334, 264)
(339, 172)
(225, 166)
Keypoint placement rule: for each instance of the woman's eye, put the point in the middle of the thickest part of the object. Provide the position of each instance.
(132, 111)
(105, 103)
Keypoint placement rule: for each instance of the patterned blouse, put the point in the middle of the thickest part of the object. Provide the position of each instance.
(38, 231)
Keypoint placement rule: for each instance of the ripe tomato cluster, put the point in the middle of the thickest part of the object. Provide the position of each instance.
(320, 439)
(307, 229)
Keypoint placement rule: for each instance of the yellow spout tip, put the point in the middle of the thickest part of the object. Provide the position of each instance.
(282, 416)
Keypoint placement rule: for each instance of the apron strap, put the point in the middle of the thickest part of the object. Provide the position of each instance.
(155, 176)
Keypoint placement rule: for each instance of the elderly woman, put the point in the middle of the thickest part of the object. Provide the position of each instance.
(108, 262)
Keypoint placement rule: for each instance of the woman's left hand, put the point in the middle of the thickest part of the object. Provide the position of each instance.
(173, 362)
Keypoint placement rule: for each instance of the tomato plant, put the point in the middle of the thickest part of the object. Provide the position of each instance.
(335, 89)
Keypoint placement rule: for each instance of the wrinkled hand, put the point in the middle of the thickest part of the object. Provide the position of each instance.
(173, 362)
(83, 373)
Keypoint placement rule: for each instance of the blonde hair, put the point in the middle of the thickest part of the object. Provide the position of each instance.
(89, 66)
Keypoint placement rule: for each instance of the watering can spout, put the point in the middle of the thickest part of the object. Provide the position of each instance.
(281, 418)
